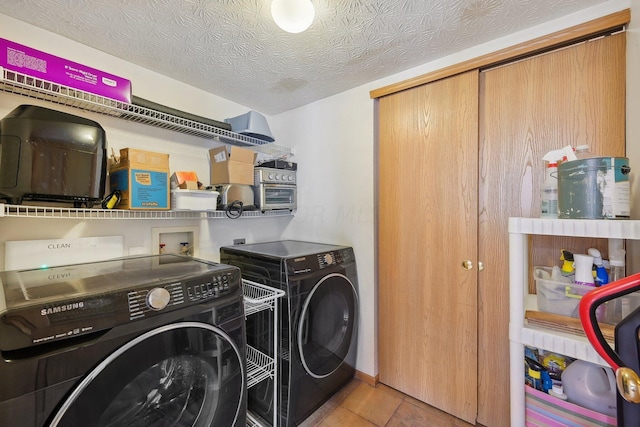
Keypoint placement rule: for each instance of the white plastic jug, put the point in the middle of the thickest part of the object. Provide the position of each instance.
(590, 386)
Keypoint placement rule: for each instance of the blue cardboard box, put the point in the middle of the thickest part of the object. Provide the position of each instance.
(142, 178)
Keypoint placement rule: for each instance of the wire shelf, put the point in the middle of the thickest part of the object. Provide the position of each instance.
(259, 366)
(252, 421)
(258, 297)
(25, 85)
(26, 211)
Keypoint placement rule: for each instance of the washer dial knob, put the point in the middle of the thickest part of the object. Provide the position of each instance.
(328, 258)
(158, 298)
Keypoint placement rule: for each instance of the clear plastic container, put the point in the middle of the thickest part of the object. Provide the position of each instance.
(582, 152)
(549, 193)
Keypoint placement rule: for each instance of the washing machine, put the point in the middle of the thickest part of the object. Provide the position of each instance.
(318, 323)
(136, 341)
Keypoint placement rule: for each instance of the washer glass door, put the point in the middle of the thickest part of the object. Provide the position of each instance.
(327, 325)
(187, 374)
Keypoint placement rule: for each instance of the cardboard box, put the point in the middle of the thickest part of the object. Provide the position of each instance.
(184, 180)
(142, 178)
(232, 165)
(41, 65)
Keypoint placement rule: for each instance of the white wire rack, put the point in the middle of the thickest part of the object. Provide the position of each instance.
(25, 85)
(258, 297)
(259, 366)
(252, 421)
(25, 211)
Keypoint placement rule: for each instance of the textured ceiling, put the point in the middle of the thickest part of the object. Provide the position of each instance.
(232, 48)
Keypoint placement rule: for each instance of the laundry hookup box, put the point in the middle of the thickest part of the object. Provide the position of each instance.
(31, 62)
(142, 177)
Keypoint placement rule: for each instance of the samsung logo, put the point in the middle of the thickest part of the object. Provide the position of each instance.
(62, 308)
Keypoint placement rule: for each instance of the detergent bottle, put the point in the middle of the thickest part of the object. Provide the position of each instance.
(590, 386)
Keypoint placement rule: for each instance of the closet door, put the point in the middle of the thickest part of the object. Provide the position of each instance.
(571, 96)
(427, 186)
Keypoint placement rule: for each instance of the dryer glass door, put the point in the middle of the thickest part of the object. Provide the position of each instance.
(186, 374)
(327, 325)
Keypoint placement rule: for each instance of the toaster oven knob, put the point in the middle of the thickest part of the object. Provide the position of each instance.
(270, 176)
(277, 177)
(158, 298)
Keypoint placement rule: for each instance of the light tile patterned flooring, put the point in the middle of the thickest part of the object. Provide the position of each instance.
(360, 405)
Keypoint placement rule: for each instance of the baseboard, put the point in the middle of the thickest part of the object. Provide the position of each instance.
(372, 381)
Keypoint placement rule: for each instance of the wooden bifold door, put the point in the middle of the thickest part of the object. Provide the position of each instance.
(456, 158)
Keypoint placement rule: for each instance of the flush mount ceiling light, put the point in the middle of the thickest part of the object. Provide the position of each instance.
(293, 16)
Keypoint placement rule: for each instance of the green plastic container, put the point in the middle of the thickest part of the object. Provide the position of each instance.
(594, 188)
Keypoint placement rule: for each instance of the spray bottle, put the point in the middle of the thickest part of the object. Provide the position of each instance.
(567, 262)
(584, 267)
(601, 277)
(618, 308)
(549, 192)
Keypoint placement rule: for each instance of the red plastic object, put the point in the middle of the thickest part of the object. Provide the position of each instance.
(587, 309)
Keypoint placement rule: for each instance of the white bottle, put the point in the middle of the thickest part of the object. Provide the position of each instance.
(549, 192)
(584, 269)
(558, 391)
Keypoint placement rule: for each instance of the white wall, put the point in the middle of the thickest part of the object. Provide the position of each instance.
(334, 143)
(186, 152)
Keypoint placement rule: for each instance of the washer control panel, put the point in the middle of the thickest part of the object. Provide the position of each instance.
(144, 301)
(214, 288)
(70, 301)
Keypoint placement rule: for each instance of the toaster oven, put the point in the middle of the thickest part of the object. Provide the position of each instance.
(275, 189)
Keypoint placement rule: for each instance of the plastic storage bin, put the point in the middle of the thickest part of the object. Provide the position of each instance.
(558, 297)
(194, 200)
(564, 298)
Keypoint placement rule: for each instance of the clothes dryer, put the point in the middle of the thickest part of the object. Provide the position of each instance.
(138, 341)
(317, 327)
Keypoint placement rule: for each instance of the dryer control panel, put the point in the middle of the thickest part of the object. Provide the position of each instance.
(316, 262)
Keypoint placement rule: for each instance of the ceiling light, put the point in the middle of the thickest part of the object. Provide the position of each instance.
(293, 16)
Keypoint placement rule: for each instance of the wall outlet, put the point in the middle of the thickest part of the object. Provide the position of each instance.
(239, 241)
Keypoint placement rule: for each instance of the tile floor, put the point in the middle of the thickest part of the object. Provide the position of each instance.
(360, 405)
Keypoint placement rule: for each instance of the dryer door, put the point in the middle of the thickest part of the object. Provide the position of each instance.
(183, 374)
(327, 325)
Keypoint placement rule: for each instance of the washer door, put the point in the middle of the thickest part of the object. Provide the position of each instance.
(327, 325)
(187, 374)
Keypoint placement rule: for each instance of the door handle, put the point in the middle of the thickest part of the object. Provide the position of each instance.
(480, 265)
(467, 265)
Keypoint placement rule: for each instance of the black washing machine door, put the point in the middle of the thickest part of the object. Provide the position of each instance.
(327, 325)
(186, 374)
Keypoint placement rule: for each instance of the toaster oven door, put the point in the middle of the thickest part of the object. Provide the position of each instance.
(276, 196)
